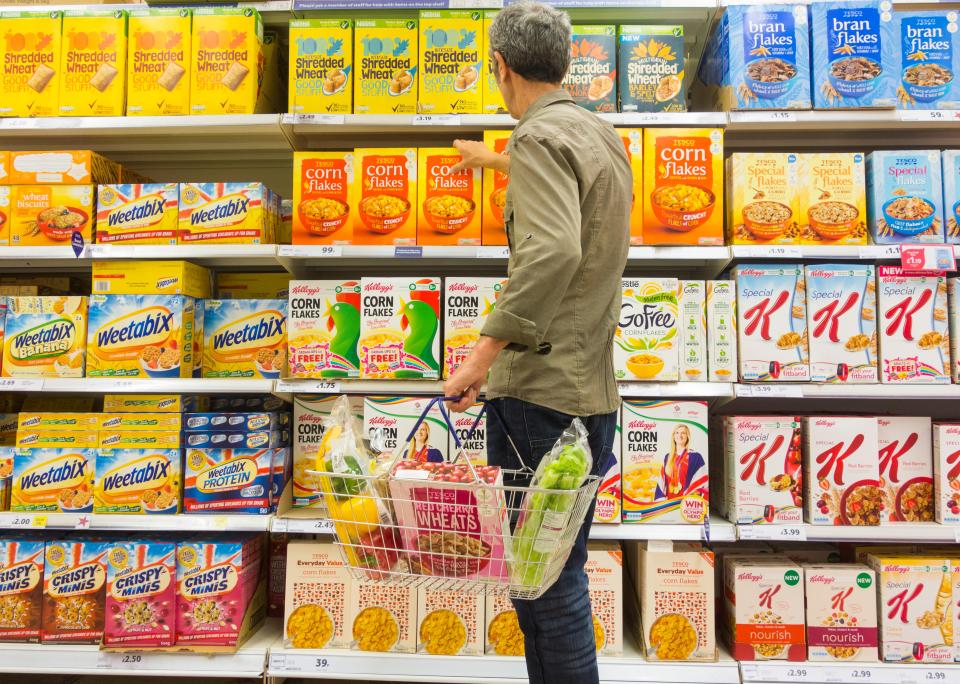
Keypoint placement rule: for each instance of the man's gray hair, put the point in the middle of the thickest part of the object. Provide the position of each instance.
(534, 40)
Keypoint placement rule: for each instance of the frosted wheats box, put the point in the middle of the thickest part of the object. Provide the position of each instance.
(914, 335)
(843, 470)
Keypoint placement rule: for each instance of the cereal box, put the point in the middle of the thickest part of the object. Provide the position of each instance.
(141, 595)
(843, 471)
(492, 97)
(51, 421)
(495, 184)
(399, 328)
(316, 598)
(309, 412)
(138, 213)
(905, 196)
(385, 66)
(771, 323)
(450, 621)
(609, 504)
(470, 429)
(137, 481)
(646, 345)
(235, 422)
(953, 311)
(764, 603)
(158, 61)
(914, 596)
(55, 479)
(906, 469)
(955, 571)
(683, 186)
(758, 58)
(503, 634)
(244, 338)
(389, 421)
(385, 195)
(951, 193)
(239, 440)
(4, 213)
(466, 304)
(44, 337)
(665, 457)
(252, 285)
(74, 590)
(928, 54)
(6, 474)
(151, 278)
(832, 199)
(452, 56)
(763, 464)
(693, 330)
(225, 60)
(762, 198)
(449, 204)
(140, 336)
(604, 570)
(321, 66)
(383, 617)
(722, 331)
(227, 213)
(591, 79)
(651, 75)
(323, 327)
(946, 472)
(51, 215)
(153, 403)
(633, 144)
(21, 589)
(914, 335)
(93, 62)
(228, 480)
(841, 310)
(62, 167)
(323, 194)
(854, 55)
(31, 58)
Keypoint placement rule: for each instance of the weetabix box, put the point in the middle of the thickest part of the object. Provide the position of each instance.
(762, 198)
(832, 198)
(388, 348)
(448, 204)
(44, 337)
(842, 486)
(138, 213)
(385, 66)
(591, 79)
(323, 328)
(151, 278)
(227, 213)
(386, 182)
(321, 66)
(651, 69)
(722, 331)
(245, 338)
(316, 598)
(646, 344)
(31, 55)
(137, 480)
(158, 61)
(841, 612)
(493, 230)
(905, 196)
(466, 304)
(946, 472)
(452, 55)
(323, 197)
(93, 62)
(906, 469)
(225, 60)
(604, 568)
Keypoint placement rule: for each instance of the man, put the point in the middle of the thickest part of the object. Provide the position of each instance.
(548, 343)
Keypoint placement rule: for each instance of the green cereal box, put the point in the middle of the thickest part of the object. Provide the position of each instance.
(651, 75)
(385, 66)
(591, 79)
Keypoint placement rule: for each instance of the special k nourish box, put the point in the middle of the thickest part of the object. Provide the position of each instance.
(158, 61)
(841, 612)
(93, 61)
(843, 482)
(30, 50)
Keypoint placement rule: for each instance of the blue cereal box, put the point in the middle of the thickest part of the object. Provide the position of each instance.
(759, 58)
(53, 479)
(228, 480)
(135, 213)
(234, 422)
(137, 481)
(237, 440)
(951, 193)
(854, 54)
(905, 196)
(929, 60)
(244, 338)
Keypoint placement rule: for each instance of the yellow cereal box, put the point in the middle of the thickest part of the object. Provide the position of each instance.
(62, 167)
(154, 403)
(762, 198)
(252, 285)
(225, 64)
(93, 61)
(323, 194)
(244, 338)
(4, 215)
(385, 195)
(448, 203)
(321, 66)
(492, 97)
(55, 438)
(832, 205)
(54, 421)
(683, 186)
(633, 143)
(493, 231)
(227, 213)
(44, 337)
(30, 52)
(137, 213)
(151, 277)
(4, 166)
(50, 214)
(137, 480)
(55, 479)
(158, 61)
(385, 66)
(451, 61)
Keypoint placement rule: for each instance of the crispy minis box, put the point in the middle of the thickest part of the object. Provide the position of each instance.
(466, 304)
(158, 61)
(385, 66)
(138, 480)
(51, 214)
(31, 63)
(906, 468)
(226, 62)
(151, 278)
(141, 595)
(495, 183)
(399, 328)
(384, 201)
(228, 213)
(44, 337)
(842, 486)
(323, 197)
(317, 597)
(764, 604)
(138, 213)
(762, 198)
(323, 327)
(74, 590)
(452, 55)
(905, 196)
(21, 589)
(244, 338)
(832, 203)
(651, 77)
(448, 204)
(321, 66)
(450, 621)
(93, 62)
(591, 79)
(646, 344)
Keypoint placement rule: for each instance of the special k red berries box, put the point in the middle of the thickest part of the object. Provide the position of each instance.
(906, 468)
(946, 468)
(843, 471)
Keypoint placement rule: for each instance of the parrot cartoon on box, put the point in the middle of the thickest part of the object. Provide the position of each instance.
(421, 320)
(343, 320)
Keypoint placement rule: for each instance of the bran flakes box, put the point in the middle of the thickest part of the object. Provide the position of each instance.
(244, 338)
(93, 63)
(383, 617)
(771, 323)
(21, 589)
(452, 55)
(393, 419)
(138, 214)
(914, 331)
(323, 197)
(44, 337)
(604, 568)
(905, 196)
(665, 462)
(693, 330)
(651, 64)
(843, 470)
(492, 97)
(385, 193)
(764, 603)
(158, 61)
(385, 66)
(50, 215)
(591, 78)
(609, 504)
(399, 328)
(842, 331)
(317, 597)
(475, 447)
(466, 304)
(226, 213)
(141, 480)
(321, 66)
(946, 472)
(832, 198)
(74, 590)
(762, 198)
(31, 56)
(646, 344)
(141, 595)
(228, 480)
(323, 327)
(633, 144)
(448, 204)
(226, 60)
(493, 229)
(722, 326)
(928, 52)
(906, 468)
(951, 193)
(953, 311)
(450, 621)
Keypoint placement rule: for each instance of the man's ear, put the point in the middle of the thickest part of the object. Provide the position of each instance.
(501, 67)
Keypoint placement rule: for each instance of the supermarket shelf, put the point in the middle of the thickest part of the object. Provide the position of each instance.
(719, 530)
(92, 521)
(215, 256)
(805, 252)
(697, 390)
(815, 391)
(152, 385)
(894, 533)
(847, 673)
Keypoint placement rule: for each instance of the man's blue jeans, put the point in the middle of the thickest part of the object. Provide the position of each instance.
(558, 626)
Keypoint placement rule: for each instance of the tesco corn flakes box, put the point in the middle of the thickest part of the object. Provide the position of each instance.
(493, 230)
(385, 66)
(141, 595)
(323, 328)
(228, 480)
(144, 481)
(244, 338)
(93, 62)
(138, 214)
(646, 345)
(386, 191)
(44, 337)
(449, 204)
(31, 58)
(226, 62)
(158, 61)
(226, 213)
(452, 54)
(74, 590)
(21, 588)
(466, 304)
(57, 479)
(323, 197)
(633, 144)
(399, 328)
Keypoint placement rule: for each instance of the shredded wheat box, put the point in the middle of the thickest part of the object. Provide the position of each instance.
(843, 470)
(385, 66)
(722, 331)
(226, 63)
(450, 621)
(30, 80)
(651, 64)
(946, 472)
(321, 66)
(591, 79)
(93, 62)
(604, 570)
(158, 61)
(452, 54)
(492, 97)
(841, 612)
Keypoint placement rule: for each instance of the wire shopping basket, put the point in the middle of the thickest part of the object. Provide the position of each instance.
(453, 524)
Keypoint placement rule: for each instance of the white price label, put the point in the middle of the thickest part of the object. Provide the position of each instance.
(493, 252)
(327, 251)
(879, 252)
(770, 251)
(861, 675)
(21, 385)
(771, 391)
(762, 117)
(321, 119)
(322, 664)
(323, 526)
(436, 120)
(934, 676)
(122, 661)
(317, 386)
(944, 115)
(773, 532)
(280, 526)
(22, 521)
(640, 389)
(796, 674)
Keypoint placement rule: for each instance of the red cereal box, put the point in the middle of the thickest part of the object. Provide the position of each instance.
(141, 595)
(21, 589)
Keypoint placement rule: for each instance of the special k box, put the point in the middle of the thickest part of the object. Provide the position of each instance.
(452, 53)
(323, 197)
(151, 278)
(93, 61)
(138, 213)
(495, 183)
(226, 60)
(21, 588)
(843, 471)
(141, 595)
(906, 468)
(227, 213)
(138, 480)
(771, 323)
(31, 59)
(466, 304)
(604, 568)
(842, 310)
(448, 203)
(74, 589)
(633, 144)
(53, 479)
(914, 334)
(386, 192)
(946, 472)
(323, 327)
(44, 337)
(841, 612)
(399, 328)
(158, 61)
(244, 338)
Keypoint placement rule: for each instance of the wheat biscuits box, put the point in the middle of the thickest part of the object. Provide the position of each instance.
(390, 422)
(31, 58)
(399, 328)
(321, 66)
(841, 613)
(604, 568)
(906, 469)
(226, 62)
(946, 472)
(323, 328)
(44, 337)
(93, 63)
(324, 197)
(762, 198)
(228, 480)
(386, 193)
(138, 213)
(317, 597)
(651, 69)
(466, 304)
(74, 591)
(252, 285)
(244, 338)
(832, 203)
(51, 215)
(227, 213)
(139, 480)
(591, 78)
(493, 227)
(151, 278)
(21, 588)
(452, 54)
(158, 61)
(843, 470)
(928, 59)
(386, 53)
(448, 204)
(62, 167)
(905, 196)
(450, 621)
(646, 343)
(141, 595)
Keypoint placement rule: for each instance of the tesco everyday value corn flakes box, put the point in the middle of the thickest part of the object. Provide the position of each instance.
(244, 338)
(228, 480)
(44, 337)
(137, 213)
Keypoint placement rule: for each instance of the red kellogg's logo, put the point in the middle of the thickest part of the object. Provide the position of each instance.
(759, 315)
(953, 460)
(756, 459)
(766, 598)
(901, 314)
(901, 604)
(838, 599)
(829, 316)
(891, 453)
(832, 459)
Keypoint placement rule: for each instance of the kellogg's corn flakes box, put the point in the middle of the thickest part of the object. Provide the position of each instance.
(309, 412)
(151, 278)
(228, 480)
(646, 345)
(651, 69)
(393, 419)
(448, 203)
(385, 66)
(56, 479)
(226, 63)
(492, 97)
(928, 52)
(385, 195)
(138, 480)
(399, 328)
(833, 198)
(323, 328)
(592, 76)
(74, 590)
(44, 337)
(323, 197)
(142, 214)
(466, 304)
(762, 198)
(493, 230)
(227, 213)
(609, 505)
(452, 55)
(633, 144)
(30, 50)
(21, 589)
(93, 61)
(50, 215)
(158, 61)
(141, 595)
(244, 338)
(321, 66)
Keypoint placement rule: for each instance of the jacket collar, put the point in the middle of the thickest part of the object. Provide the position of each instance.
(558, 95)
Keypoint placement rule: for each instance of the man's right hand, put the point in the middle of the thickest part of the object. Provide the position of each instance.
(475, 154)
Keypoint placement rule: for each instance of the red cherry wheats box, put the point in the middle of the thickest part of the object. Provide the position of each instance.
(843, 471)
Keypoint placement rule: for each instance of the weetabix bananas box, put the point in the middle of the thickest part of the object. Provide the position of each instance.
(44, 337)
(227, 213)
(151, 278)
(138, 213)
(492, 97)
(93, 61)
(385, 66)
(244, 338)
(321, 66)
(226, 60)
(158, 61)
(30, 49)
(50, 215)
(386, 191)
(448, 203)
(451, 62)
(633, 143)
(323, 197)
(492, 228)
(140, 336)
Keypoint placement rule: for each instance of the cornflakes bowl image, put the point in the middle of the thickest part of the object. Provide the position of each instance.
(451, 554)
(498, 199)
(908, 215)
(682, 207)
(673, 637)
(927, 81)
(60, 223)
(833, 220)
(644, 366)
(449, 213)
(767, 220)
(375, 629)
(310, 626)
(323, 215)
(384, 213)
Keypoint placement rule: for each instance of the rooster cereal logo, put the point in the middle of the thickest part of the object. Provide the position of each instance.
(44, 341)
(142, 475)
(140, 213)
(241, 339)
(219, 579)
(124, 337)
(82, 579)
(148, 581)
(228, 210)
(65, 472)
(227, 476)
(20, 578)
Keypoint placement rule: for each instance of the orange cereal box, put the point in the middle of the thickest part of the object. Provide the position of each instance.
(683, 186)
(385, 195)
(633, 143)
(30, 50)
(74, 590)
(51, 214)
(93, 61)
(493, 230)
(448, 203)
(322, 197)
(762, 198)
